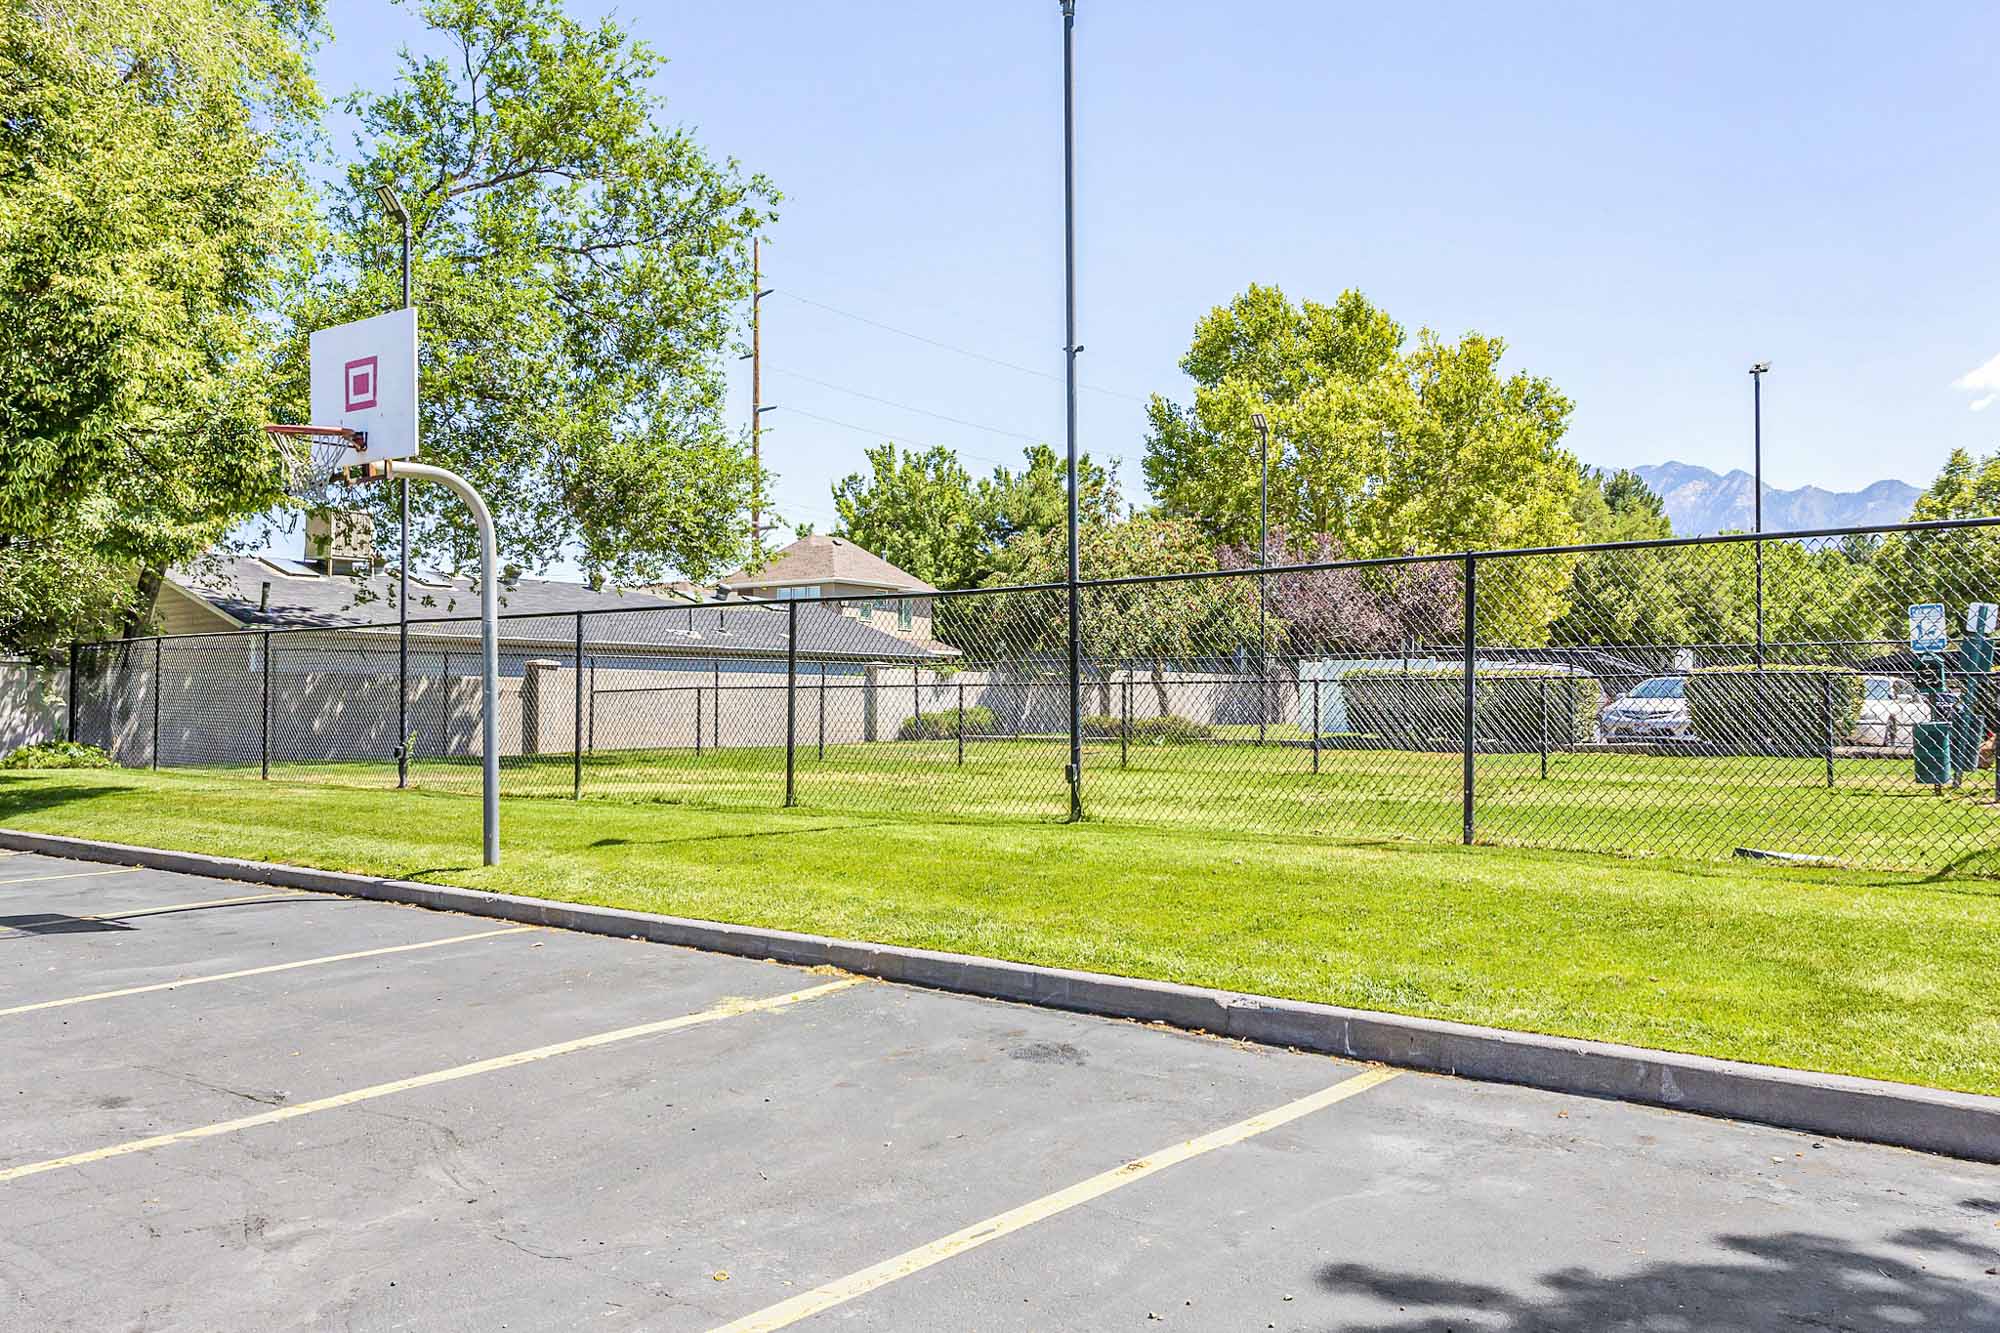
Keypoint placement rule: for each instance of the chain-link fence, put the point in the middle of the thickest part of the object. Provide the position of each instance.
(1695, 698)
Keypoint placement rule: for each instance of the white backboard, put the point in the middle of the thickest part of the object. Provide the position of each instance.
(364, 377)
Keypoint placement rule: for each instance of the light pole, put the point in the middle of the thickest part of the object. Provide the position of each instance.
(1757, 372)
(392, 202)
(1263, 559)
(1070, 349)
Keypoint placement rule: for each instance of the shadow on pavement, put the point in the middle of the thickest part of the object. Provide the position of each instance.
(1785, 1280)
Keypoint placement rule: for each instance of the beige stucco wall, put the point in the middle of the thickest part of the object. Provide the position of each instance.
(32, 704)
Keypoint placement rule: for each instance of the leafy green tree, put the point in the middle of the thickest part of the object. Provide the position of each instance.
(915, 510)
(1154, 625)
(1622, 597)
(1387, 449)
(1955, 566)
(924, 512)
(1036, 499)
(577, 269)
(151, 198)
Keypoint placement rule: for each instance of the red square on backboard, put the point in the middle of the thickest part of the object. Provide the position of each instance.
(361, 380)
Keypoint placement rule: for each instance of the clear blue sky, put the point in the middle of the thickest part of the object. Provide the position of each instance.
(1641, 200)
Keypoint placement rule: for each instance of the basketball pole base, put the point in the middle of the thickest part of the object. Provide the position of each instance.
(489, 635)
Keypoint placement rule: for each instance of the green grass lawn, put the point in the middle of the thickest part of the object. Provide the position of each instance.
(1874, 814)
(1873, 973)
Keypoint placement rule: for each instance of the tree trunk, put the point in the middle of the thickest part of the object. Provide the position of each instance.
(1160, 686)
(140, 617)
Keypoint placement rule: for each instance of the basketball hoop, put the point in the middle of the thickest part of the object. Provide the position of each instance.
(313, 456)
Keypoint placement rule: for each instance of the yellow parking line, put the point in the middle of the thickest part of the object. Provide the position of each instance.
(259, 971)
(993, 1228)
(268, 896)
(726, 1009)
(80, 874)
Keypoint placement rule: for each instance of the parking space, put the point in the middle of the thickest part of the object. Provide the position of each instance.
(231, 1109)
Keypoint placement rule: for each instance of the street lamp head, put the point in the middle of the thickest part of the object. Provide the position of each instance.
(1257, 420)
(392, 202)
(1759, 367)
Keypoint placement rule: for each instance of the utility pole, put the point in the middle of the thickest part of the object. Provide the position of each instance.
(1070, 349)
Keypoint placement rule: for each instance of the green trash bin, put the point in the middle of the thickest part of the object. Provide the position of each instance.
(1967, 734)
(1931, 742)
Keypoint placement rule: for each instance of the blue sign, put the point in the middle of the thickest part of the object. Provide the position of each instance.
(1927, 627)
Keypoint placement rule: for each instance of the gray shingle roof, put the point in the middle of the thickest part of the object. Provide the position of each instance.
(535, 612)
(827, 559)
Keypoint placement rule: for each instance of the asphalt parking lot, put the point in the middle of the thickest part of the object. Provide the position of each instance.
(236, 1109)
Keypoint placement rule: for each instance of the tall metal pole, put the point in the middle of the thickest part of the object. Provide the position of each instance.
(1469, 718)
(757, 295)
(791, 702)
(266, 726)
(1263, 559)
(1070, 349)
(1757, 525)
(394, 203)
(576, 726)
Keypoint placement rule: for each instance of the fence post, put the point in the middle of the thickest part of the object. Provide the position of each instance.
(791, 700)
(1544, 682)
(961, 724)
(592, 724)
(1826, 723)
(1469, 720)
(74, 656)
(1125, 723)
(158, 689)
(266, 765)
(1316, 684)
(697, 721)
(576, 728)
(822, 710)
(916, 701)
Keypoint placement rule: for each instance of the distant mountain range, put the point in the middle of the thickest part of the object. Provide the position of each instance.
(1701, 502)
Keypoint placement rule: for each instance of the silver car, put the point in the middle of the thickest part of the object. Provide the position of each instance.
(1890, 707)
(1656, 708)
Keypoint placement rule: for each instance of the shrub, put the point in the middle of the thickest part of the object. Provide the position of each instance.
(57, 754)
(1513, 708)
(1168, 730)
(1794, 702)
(944, 725)
(1426, 707)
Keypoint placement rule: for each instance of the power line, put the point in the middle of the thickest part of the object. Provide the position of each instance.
(907, 407)
(951, 347)
(893, 437)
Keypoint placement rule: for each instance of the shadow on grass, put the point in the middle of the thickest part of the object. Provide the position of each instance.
(753, 835)
(1791, 1279)
(21, 795)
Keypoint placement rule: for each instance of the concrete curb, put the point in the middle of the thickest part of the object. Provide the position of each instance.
(1955, 1124)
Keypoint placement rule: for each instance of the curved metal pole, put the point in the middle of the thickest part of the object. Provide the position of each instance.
(489, 643)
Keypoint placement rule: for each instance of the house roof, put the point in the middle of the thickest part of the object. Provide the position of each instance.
(539, 613)
(825, 559)
(303, 595)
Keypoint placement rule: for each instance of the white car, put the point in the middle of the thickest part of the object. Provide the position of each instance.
(1656, 708)
(1890, 707)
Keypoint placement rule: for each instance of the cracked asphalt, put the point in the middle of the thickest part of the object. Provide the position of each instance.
(287, 1110)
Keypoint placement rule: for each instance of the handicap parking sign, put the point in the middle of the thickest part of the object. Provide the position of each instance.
(1927, 627)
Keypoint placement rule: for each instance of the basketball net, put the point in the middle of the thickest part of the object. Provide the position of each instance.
(310, 459)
